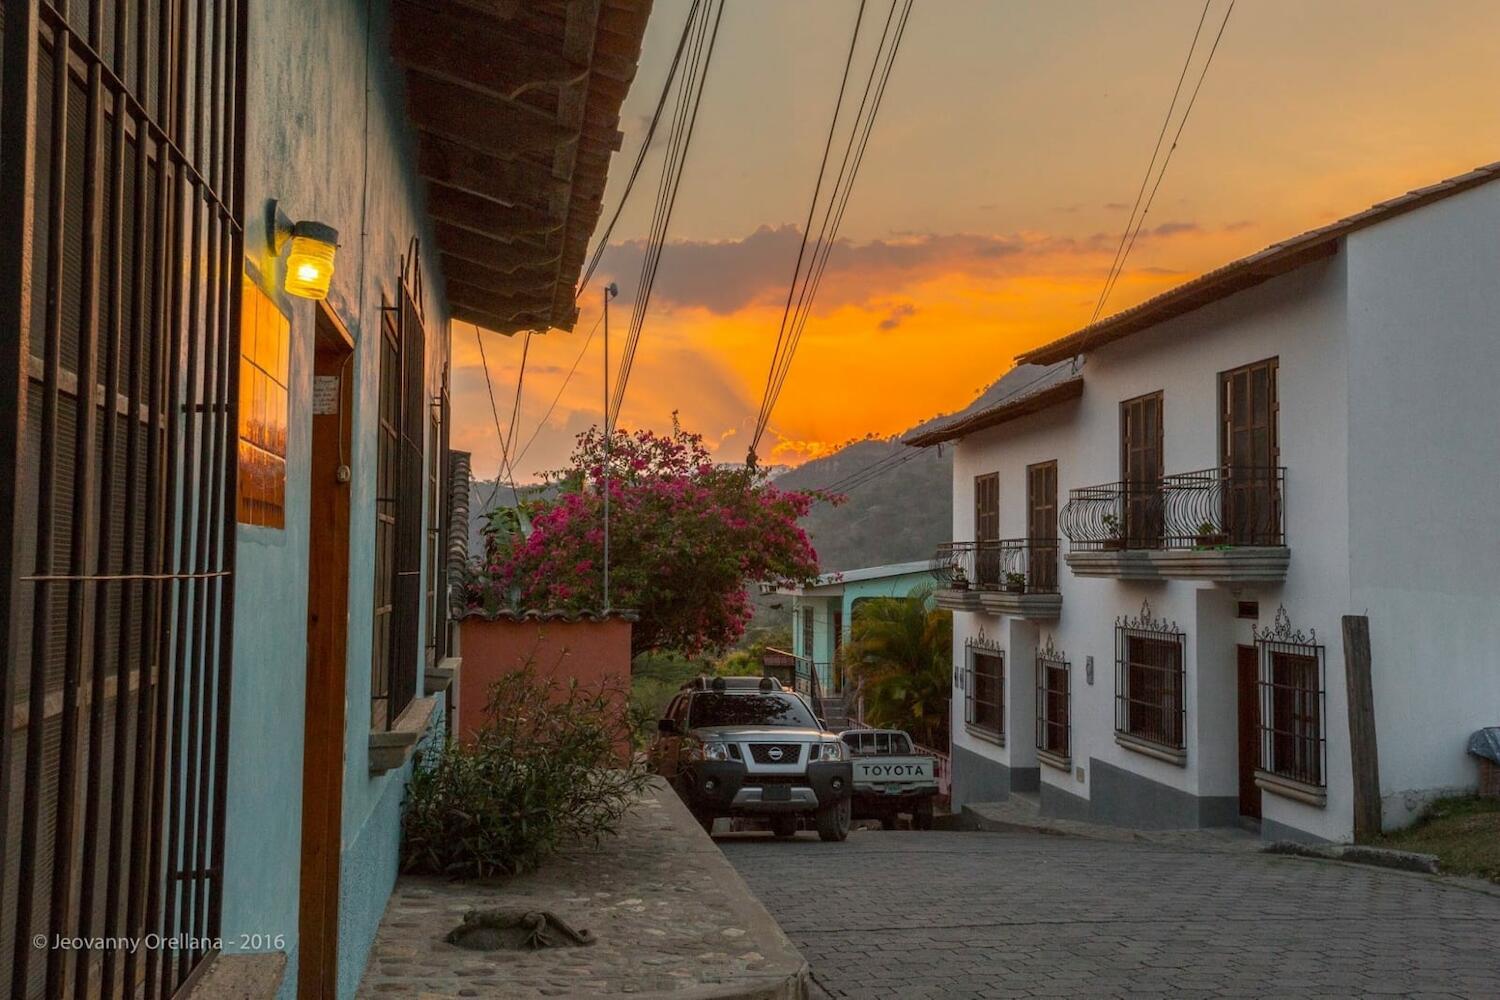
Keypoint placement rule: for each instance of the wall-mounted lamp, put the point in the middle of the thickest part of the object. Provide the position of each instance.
(309, 263)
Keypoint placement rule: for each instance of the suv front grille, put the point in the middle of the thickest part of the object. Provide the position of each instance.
(791, 753)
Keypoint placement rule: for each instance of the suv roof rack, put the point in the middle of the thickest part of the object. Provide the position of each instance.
(706, 683)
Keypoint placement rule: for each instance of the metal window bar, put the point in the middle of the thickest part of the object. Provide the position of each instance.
(984, 689)
(1054, 733)
(1224, 506)
(1293, 707)
(1150, 685)
(400, 645)
(1016, 565)
(121, 179)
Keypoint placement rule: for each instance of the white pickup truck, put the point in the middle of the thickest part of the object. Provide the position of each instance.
(890, 777)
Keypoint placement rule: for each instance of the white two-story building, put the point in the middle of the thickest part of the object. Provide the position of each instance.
(1230, 556)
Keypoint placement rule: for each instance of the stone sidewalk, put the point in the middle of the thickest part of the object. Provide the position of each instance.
(671, 916)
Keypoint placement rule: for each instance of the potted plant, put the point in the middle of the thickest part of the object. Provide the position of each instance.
(1015, 583)
(960, 579)
(1209, 536)
(1111, 532)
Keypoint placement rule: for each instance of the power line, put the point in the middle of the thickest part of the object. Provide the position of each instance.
(505, 465)
(515, 410)
(860, 130)
(566, 379)
(690, 99)
(1151, 167)
(1166, 160)
(812, 208)
(640, 157)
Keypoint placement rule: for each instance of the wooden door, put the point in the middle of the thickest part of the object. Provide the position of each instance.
(1141, 469)
(327, 633)
(1250, 452)
(1249, 729)
(1041, 525)
(987, 529)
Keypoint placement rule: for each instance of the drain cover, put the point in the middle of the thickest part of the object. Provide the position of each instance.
(516, 930)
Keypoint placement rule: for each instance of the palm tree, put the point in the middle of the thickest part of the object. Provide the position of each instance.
(901, 650)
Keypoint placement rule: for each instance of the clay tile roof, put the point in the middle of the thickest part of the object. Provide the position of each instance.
(1278, 258)
(1037, 393)
(516, 104)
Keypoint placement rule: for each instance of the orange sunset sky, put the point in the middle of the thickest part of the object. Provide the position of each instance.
(1007, 154)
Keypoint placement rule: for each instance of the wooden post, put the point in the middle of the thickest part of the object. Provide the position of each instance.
(1364, 756)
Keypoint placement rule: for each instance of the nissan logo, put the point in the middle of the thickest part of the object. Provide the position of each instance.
(774, 753)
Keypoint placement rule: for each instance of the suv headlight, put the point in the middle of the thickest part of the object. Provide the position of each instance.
(708, 751)
(830, 750)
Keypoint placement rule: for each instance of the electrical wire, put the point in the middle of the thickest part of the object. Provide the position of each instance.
(690, 99)
(566, 379)
(640, 157)
(515, 411)
(1151, 166)
(505, 467)
(860, 130)
(1167, 159)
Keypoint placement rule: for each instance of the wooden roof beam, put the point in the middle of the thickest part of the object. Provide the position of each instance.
(483, 215)
(496, 254)
(524, 281)
(484, 53)
(497, 127)
(497, 303)
(509, 181)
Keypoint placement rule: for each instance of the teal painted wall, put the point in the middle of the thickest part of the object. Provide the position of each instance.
(822, 609)
(309, 147)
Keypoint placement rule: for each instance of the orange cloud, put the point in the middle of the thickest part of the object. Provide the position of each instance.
(903, 329)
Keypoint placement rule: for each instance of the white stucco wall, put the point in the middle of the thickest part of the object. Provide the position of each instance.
(1298, 318)
(1424, 469)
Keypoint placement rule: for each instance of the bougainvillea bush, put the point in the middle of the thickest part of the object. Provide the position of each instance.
(685, 537)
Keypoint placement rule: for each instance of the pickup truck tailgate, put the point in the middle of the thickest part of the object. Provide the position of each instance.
(893, 773)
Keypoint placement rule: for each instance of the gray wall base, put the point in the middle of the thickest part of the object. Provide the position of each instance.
(1270, 831)
(1123, 798)
(977, 778)
(1058, 804)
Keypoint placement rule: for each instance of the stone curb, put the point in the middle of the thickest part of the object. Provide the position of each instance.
(792, 982)
(1381, 857)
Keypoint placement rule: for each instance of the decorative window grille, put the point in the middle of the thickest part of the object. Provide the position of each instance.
(1293, 700)
(265, 340)
(1150, 679)
(399, 528)
(121, 200)
(807, 631)
(984, 686)
(1054, 733)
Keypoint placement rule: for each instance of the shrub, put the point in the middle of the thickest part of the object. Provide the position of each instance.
(547, 769)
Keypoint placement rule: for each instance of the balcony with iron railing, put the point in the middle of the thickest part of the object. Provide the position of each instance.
(1009, 576)
(1225, 524)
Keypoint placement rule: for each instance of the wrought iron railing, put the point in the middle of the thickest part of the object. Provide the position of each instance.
(804, 677)
(1017, 565)
(1222, 507)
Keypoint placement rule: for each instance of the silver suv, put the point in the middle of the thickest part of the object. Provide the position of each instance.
(745, 746)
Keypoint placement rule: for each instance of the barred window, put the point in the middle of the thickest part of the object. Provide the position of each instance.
(1053, 715)
(984, 687)
(1150, 680)
(1292, 694)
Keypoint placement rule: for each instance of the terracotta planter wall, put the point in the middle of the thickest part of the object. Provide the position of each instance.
(593, 651)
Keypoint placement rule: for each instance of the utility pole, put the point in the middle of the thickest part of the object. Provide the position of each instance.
(610, 291)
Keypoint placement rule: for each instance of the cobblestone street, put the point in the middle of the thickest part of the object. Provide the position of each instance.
(904, 914)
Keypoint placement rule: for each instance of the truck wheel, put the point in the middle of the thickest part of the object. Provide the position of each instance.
(921, 816)
(833, 821)
(784, 826)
